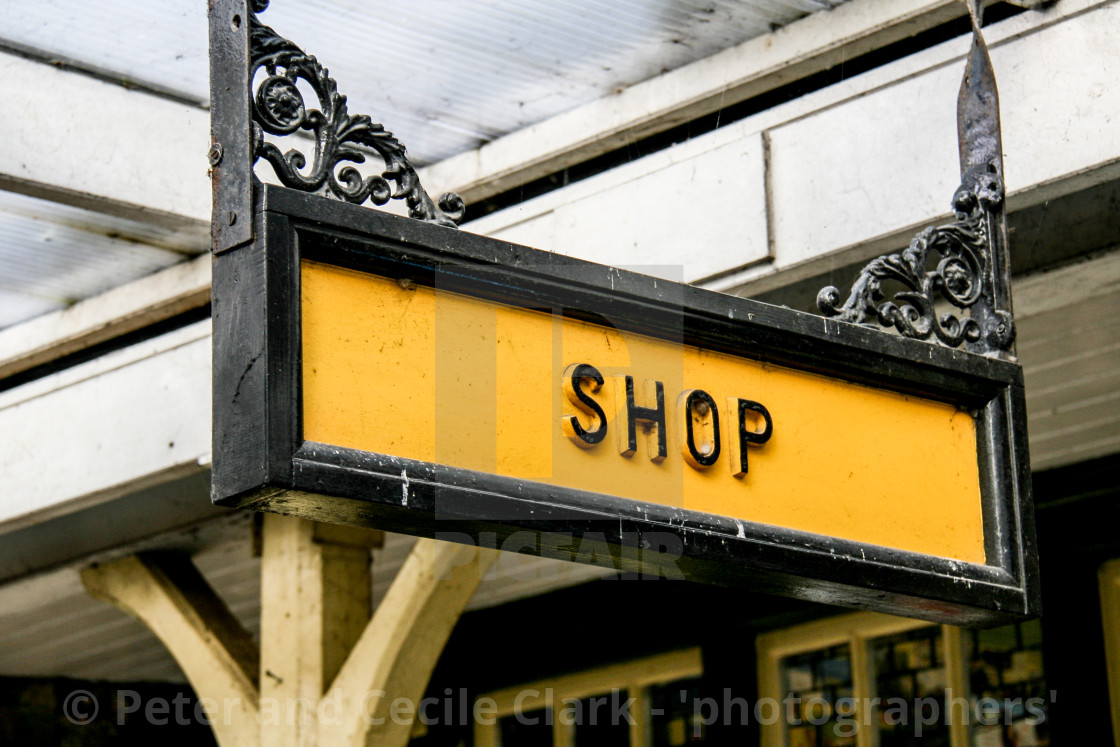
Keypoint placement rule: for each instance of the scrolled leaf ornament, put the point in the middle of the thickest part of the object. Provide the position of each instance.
(279, 109)
(959, 276)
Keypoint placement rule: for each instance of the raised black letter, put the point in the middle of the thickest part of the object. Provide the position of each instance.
(629, 415)
(694, 407)
(740, 438)
(574, 376)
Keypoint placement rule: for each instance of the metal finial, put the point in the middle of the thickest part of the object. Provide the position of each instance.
(978, 130)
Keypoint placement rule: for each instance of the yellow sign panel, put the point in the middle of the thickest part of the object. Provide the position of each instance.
(423, 374)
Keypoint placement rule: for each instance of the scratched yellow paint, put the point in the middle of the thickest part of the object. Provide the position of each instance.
(439, 377)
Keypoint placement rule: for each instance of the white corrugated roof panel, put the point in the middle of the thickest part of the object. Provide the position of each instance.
(52, 255)
(444, 75)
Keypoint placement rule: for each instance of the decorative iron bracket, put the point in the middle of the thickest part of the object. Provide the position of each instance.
(257, 94)
(972, 269)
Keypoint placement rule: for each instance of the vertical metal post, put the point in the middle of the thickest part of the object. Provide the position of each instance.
(231, 160)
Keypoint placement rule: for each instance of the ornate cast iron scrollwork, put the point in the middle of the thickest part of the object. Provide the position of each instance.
(964, 262)
(279, 109)
(971, 272)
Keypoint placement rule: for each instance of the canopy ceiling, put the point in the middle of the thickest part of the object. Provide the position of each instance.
(444, 75)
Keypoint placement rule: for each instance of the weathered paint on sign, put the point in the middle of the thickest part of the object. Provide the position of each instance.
(430, 375)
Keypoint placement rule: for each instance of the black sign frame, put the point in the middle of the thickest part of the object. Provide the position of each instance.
(261, 461)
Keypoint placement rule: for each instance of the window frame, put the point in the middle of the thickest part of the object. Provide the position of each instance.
(857, 630)
(636, 677)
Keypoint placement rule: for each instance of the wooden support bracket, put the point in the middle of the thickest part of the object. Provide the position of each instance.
(167, 593)
(395, 656)
(328, 675)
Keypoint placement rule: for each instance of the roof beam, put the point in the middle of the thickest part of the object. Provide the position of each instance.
(97, 145)
(848, 172)
(124, 309)
(150, 165)
(131, 419)
(810, 45)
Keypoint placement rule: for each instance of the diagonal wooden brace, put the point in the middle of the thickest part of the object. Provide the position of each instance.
(167, 593)
(396, 654)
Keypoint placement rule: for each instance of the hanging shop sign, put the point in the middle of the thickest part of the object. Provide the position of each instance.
(397, 373)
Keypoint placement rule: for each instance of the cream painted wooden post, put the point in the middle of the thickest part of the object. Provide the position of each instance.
(563, 728)
(328, 674)
(862, 690)
(315, 603)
